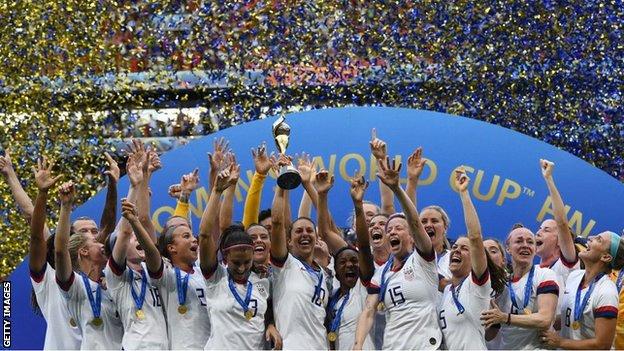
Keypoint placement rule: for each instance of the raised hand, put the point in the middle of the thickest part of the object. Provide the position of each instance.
(358, 187)
(324, 182)
(6, 165)
(128, 210)
(136, 148)
(67, 191)
(377, 146)
(43, 174)
(415, 164)
(154, 162)
(113, 169)
(234, 173)
(547, 168)
(461, 180)
(189, 182)
(175, 191)
(134, 169)
(305, 167)
(389, 173)
(223, 180)
(262, 161)
(216, 158)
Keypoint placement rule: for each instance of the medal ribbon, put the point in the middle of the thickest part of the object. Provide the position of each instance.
(384, 281)
(316, 275)
(138, 299)
(243, 304)
(579, 307)
(96, 303)
(182, 285)
(528, 288)
(455, 294)
(338, 314)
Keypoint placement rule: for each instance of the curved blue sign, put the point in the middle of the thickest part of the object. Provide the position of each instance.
(507, 186)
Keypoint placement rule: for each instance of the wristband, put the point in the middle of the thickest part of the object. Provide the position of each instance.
(508, 319)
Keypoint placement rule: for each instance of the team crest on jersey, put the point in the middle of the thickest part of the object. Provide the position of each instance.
(408, 273)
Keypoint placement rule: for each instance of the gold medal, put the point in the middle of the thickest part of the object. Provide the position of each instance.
(72, 322)
(182, 309)
(381, 306)
(331, 336)
(248, 315)
(97, 321)
(140, 314)
(527, 311)
(576, 325)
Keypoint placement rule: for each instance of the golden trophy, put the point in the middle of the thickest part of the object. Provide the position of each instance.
(288, 177)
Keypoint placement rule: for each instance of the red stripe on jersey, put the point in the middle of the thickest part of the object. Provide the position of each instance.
(66, 285)
(480, 280)
(366, 283)
(548, 287)
(427, 257)
(158, 274)
(38, 276)
(278, 262)
(565, 262)
(606, 312)
(116, 268)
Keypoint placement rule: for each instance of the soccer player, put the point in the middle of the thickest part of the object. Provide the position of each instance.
(474, 275)
(407, 286)
(590, 306)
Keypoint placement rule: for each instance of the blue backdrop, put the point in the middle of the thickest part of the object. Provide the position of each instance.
(507, 186)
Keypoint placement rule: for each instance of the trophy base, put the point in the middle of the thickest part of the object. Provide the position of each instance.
(288, 178)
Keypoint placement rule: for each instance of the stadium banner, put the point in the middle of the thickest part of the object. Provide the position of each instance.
(506, 181)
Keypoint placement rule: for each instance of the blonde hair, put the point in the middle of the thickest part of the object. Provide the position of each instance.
(445, 218)
(76, 242)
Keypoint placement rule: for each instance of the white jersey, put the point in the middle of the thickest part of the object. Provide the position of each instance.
(495, 344)
(230, 329)
(191, 329)
(299, 314)
(380, 319)
(149, 332)
(106, 336)
(513, 337)
(62, 332)
(443, 261)
(603, 303)
(410, 302)
(562, 269)
(350, 315)
(464, 330)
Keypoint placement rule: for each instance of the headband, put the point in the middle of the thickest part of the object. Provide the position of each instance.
(615, 244)
(238, 246)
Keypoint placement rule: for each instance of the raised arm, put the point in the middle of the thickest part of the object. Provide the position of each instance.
(216, 158)
(365, 256)
(153, 261)
(62, 260)
(415, 166)
(208, 227)
(389, 175)
(24, 203)
(263, 164)
(379, 151)
(334, 240)
(38, 245)
(566, 241)
(279, 244)
(478, 258)
(108, 220)
(306, 170)
(227, 205)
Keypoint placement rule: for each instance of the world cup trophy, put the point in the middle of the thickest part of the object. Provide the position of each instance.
(288, 178)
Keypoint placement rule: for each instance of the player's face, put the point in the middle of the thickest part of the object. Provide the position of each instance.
(521, 245)
(239, 262)
(85, 226)
(302, 238)
(401, 242)
(347, 268)
(94, 251)
(183, 247)
(434, 226)
(597, 248)
(134, 252)
(261, 243)
(546, 238)
(370, 211)
(495, 252)
(377, 231)
(267, 223)
(459, 262)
